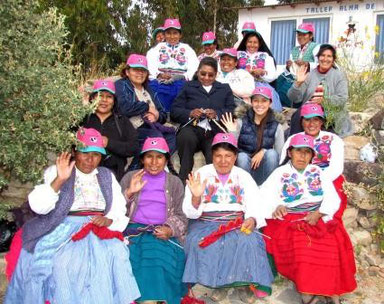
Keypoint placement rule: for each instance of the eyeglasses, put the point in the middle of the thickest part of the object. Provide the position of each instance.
(210, 75)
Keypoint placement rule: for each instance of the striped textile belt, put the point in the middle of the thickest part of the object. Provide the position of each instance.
(171, 71)
(85, 213)
(223, 216)
(306, 207)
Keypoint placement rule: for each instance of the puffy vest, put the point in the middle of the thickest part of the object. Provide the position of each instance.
(248, 134)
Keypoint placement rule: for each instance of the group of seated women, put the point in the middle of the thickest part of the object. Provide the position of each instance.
(152, 237)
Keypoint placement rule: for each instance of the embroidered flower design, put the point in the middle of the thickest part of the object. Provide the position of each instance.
(210, 194)
(323, 151)
(314, 182)
(236, 195)
(291, 190)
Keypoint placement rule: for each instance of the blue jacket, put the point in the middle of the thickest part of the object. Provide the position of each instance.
(128, 104)
(247, 141)
(193, 96)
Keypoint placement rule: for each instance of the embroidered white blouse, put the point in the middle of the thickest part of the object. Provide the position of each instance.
(288, 187)
(87, 196)
(239, 193)
(241, 82)
(177, 59)
(262, 60)
(329, 154)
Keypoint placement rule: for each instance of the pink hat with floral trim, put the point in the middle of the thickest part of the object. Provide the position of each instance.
(228, 138)
(248, 27)
(208, 38)
(104, 85)
(309, 110)
(172, 23)
(263, 91)
(137, 61)
(306, 28)
(302, 141)
(92, 140)
(230, 52)
(155, 144)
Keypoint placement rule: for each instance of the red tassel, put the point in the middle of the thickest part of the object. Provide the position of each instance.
(101, 232)
(223, 229)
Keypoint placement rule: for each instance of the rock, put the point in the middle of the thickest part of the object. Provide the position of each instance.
(352, 146)
(379, 137)
(360, 172)
(350, 217)
(377, 120)
(373, 271)
(360, 120)
(364, 222)
(361, 237)
(373, 259)
(361, 198)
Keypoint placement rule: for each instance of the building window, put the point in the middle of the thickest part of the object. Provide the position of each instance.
(283, 38)
(380, 39)
(321, 28)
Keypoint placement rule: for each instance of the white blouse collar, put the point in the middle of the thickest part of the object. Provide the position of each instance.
(86, 175)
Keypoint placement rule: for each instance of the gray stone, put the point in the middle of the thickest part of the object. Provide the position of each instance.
(373, 271)
(360, 120)
(377, 120)
(379, 137)
(361, 198)
(361, 237)
(372, 259)
(350, 217)
(364, 222)
(360, 172)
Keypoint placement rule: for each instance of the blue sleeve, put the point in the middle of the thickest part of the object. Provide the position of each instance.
(126, 100)
(159, 107)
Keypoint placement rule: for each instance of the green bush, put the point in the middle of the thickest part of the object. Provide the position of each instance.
(39, 94)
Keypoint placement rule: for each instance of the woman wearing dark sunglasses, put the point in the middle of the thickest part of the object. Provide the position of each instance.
(198, 109)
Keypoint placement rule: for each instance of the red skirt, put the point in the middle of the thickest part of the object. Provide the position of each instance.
(318, 259)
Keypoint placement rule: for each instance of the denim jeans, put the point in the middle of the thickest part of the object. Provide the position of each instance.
(269, 163)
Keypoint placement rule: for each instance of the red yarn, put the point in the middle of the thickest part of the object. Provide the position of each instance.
(191, 300)
(12, 256)
(223, 229)
(102, 232)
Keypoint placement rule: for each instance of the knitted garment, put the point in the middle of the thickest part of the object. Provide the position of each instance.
(308, 53)
(41, 225)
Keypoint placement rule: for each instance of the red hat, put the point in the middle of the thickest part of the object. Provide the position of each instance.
(309, 110)
(228, 138)
(302, 141)
(263, 91)
(306, 28)
(248, 27)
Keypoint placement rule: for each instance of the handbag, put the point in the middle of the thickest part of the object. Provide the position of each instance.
(283, 84)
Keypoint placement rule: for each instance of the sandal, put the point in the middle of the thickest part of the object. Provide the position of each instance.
(246, 295)
(218, 294)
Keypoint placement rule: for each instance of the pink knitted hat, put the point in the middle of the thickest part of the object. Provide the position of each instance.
(137, 61)
(309, 110)
(302, 141)
(225, 138)
(172, 23)
(91, 139)
(306, 28)
(248, 27)
(104, 85)
(230, 52)
(263, 91)
(208, 38)
(155, 144)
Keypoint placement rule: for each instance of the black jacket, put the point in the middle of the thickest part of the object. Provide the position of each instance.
(193, 96)
(122, 140)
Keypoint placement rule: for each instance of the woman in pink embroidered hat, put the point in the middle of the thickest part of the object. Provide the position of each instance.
(223, 247)
(210, 46)
(260, 135)
(73, 250)
(157, 228)
(119, 136)
(141, 105)
(309, 245)
(170, 64)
